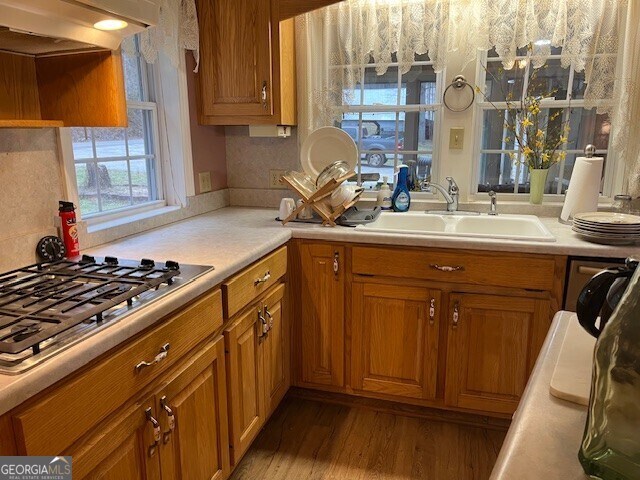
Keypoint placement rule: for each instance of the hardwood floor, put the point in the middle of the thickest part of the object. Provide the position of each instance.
(310, 440)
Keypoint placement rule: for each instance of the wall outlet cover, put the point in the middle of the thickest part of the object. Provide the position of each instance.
(205, 181)
(456, 138)
(274, 179)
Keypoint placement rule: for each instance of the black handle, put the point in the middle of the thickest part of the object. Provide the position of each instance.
(593, 296)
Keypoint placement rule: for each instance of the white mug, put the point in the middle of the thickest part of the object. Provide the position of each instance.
(287, 206)
(306, 213)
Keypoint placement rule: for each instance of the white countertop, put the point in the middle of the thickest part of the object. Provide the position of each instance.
(546, 432)
(230, 239)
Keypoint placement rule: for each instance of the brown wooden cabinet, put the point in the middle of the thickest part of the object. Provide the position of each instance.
(245, 380)
(276, 350)
(247, 63)
(192, 411)
(79, 89)
(257, 348)
(394, 343)
(320, 329)
(123, 448)
(491, 349)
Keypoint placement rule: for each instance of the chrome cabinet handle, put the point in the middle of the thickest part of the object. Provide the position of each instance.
(264, 326)
(264, 95)
(156, 431)
(269, 316)
(447, 268)
(336, 263)
(432, 311)
(170, 417)
(162, 354)
(456, 314)
(265, 278)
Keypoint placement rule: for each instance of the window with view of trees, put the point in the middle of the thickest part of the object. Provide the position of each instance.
(393, 118)
(500, 167)
(118, 168)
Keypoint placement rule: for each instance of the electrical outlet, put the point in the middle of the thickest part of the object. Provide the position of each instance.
(456, 138)
(205, 181)
(274, 179)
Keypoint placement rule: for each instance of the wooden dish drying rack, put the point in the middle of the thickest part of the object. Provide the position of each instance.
(315, 200)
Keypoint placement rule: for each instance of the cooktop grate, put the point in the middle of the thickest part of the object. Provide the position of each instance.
(42, 300)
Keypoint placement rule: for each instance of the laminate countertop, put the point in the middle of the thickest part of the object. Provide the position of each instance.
(546, 432)
(231, 239)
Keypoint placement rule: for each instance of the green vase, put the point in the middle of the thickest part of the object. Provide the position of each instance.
(537, 182)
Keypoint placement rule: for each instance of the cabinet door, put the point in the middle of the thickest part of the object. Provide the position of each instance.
(235, 52)
(123, 448)
(321, 326)
(245, 380)
(275, 349)
(192, 410)
(395, 340)
(491, 348)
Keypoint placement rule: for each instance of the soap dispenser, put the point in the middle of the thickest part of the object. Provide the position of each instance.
(383, 199)
(401, 199)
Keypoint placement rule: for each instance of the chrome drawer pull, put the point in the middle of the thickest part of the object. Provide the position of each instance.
(264, 279)
(164, 351)
(447, 268)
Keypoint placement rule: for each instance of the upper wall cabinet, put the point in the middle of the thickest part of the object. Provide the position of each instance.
(247, 63)
(62, 89)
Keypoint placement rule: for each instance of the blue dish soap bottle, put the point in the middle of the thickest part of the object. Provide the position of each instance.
(401, 199)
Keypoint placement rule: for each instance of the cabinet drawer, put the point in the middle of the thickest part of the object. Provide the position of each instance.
(253, 281)
(70, 411)
(475, 268)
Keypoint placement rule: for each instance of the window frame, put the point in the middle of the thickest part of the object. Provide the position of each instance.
(611, 177)
(398, 109)
(151, 104)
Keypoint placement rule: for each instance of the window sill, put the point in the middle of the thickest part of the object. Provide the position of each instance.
(98, 224)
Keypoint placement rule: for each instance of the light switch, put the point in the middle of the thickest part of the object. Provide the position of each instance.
(456, 138)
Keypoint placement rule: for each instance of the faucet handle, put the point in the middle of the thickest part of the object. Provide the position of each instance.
(453, 186)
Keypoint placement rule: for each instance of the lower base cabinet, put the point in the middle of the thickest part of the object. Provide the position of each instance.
(178, 432)
(394, 347)
(256, 345)
(492, 344)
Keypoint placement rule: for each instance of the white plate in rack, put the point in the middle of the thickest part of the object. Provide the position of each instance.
(325, 146)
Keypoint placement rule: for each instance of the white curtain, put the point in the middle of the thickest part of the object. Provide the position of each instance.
(353, 31)
(177, 30)
(626, 113)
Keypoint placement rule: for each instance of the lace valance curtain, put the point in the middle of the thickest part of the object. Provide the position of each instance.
(177, 30)
(335, 43)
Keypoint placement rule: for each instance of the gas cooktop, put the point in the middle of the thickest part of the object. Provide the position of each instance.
(48, 307)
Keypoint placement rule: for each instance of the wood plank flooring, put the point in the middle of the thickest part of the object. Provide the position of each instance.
(310, 440)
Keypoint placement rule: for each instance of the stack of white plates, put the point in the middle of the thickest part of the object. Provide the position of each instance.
(607, 227)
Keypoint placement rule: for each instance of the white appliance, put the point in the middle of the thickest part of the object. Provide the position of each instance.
(75, 19)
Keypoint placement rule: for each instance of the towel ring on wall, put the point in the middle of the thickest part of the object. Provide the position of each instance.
(458, 83)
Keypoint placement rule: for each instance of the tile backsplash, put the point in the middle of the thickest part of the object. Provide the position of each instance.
(249, 161)
(30, 187)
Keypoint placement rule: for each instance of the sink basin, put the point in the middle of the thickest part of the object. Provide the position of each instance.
(510, 227)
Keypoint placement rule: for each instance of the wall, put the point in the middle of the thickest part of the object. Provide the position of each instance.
(207, 142)
(249, 161)
(31, 183)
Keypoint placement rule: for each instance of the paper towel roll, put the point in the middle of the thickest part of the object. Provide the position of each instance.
(584, 187)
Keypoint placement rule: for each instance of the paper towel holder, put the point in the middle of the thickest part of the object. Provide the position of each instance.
(589, 152)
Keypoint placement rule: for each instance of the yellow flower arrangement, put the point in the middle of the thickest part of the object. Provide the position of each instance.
(540, 133)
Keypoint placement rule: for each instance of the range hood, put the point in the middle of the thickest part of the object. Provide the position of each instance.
(69, 24)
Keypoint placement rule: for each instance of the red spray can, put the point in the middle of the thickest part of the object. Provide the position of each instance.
(67, 212)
